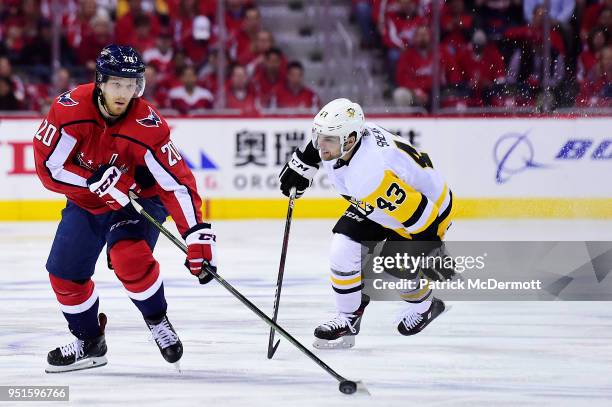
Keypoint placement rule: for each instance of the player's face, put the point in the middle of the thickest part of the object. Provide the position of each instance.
(118, 92)
(329, 147)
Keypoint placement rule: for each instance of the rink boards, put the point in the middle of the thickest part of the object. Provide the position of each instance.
(496, 167)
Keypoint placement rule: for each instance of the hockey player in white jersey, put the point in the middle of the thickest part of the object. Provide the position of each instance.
(395, 195)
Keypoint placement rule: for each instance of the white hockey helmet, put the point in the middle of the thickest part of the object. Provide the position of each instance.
(339, 118)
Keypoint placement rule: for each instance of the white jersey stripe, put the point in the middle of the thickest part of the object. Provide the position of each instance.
(168, 183)
(57, 159)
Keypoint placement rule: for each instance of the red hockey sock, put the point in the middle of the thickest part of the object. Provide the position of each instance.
(139, 272)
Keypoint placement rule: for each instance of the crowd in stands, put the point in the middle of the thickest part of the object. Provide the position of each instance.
(492, 52)
(178, 39)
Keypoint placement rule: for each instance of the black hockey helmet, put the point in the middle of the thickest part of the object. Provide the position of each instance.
(121, 61)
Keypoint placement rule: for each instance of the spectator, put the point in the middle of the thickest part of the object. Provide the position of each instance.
(8, 101)
(207, 76)
(37, 55)
(162, 54)
(496, 16)
(193, 32)
(234, 13)
(590, 17)
(560, 14)
(400, 29)
(596, 91)
(561, 11)
(597, 39)
(154, 91)
(101, 35)
(456, 25)
(196, 46)
(481, 67)
(605, 19)
(182, 20)
(245, 41)
(62, 82)
(206, 8)
(76, 25)
(381, 10)
(415, 69)
(142, 37)
(239, 95)
(6, 71)
(363, 12)
(269, 78)
(263, 43)
(188, 96)
(32, 18)
(126, 23)
(293, 94)
(12, 29)
(40, 95)
(526, 64)
(179, 62)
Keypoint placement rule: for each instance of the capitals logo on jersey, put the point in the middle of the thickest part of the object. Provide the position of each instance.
(65, 100)
(152, 120)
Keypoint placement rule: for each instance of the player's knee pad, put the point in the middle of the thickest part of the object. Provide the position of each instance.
(74, 296)
(345, 264)
(135, 267)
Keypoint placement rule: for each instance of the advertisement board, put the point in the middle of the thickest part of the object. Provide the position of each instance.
(496, 167)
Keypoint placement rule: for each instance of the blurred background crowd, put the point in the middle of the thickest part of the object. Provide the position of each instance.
(276, 56)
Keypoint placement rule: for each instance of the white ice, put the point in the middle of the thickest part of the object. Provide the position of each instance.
(478, 354)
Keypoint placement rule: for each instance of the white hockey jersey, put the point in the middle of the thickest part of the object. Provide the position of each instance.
(393, 184)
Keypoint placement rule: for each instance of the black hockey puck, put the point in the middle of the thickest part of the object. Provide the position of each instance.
(348, 387)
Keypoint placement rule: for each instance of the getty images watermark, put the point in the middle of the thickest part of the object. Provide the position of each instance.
(489, 271)
(459, 264)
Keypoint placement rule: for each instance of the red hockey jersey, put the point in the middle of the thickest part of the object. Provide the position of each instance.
(74, 140)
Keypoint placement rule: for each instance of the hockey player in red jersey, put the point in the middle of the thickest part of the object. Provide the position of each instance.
(98, 142)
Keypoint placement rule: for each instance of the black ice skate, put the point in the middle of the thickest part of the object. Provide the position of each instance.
(80, 354)
(413, 322)
(166, 339)
(339, 333)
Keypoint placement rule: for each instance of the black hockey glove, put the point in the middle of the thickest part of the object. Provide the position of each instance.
(296, 173)
(443, 269)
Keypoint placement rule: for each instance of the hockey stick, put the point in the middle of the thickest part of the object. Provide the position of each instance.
(281, 271)
(346, 386)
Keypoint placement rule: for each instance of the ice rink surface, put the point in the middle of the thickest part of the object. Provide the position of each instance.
(477, 354)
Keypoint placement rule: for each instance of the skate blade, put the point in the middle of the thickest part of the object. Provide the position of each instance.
(177, 366)
(344, 342)
(88, 363)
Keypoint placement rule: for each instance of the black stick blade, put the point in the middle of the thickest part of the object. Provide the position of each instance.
(273, 350)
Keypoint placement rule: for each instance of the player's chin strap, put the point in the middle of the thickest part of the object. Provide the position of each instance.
(102, 102)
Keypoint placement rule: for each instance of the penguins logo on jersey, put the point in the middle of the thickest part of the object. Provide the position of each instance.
(152, 120)
(65, 100)
(363, 207)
